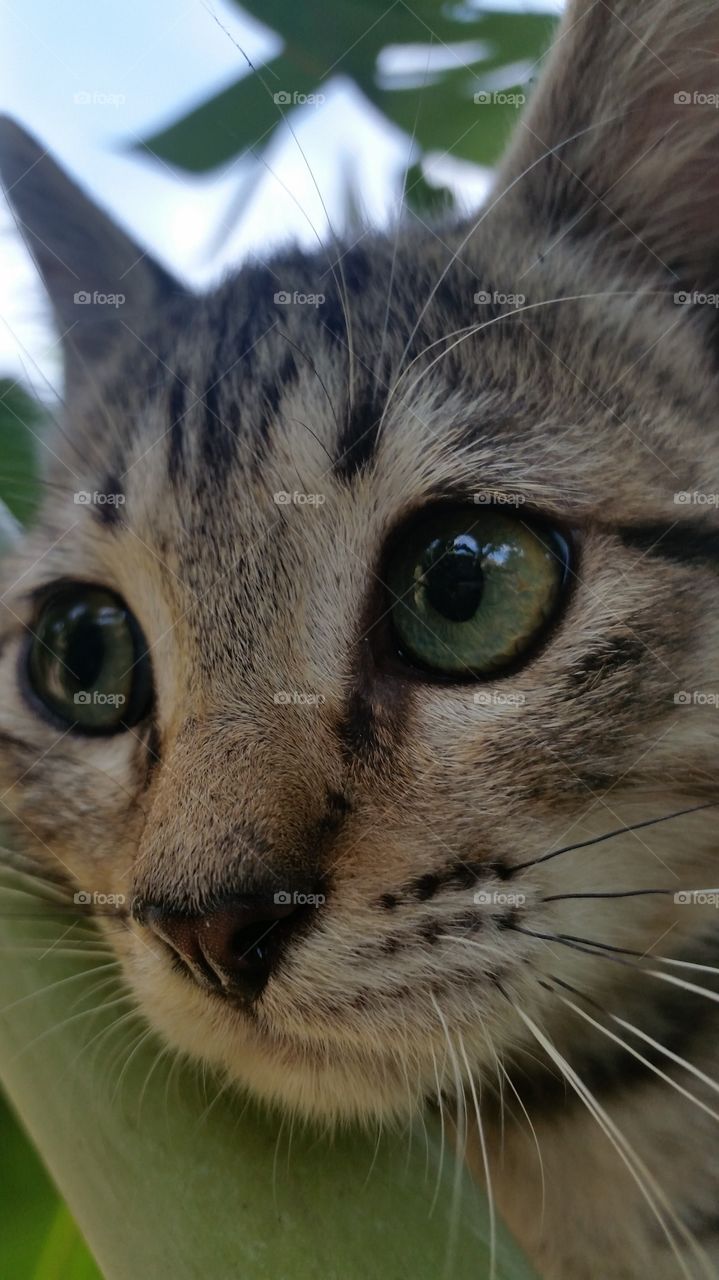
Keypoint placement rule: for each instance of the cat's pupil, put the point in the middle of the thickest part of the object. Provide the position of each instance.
(453, 578)
(86, 653)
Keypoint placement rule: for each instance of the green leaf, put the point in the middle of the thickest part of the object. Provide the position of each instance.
(443, 114)
(421, 197)
(21, 421)
(448, 119)
(172, 1181)
(28, 1202)
(242, 117)
(359, 29)
(65, 1255)
(246, 116)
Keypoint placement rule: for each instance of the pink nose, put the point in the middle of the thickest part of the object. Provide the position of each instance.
(233, 949)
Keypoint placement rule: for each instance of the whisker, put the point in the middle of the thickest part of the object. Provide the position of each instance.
(146, 1033)
(535, 1137)
(687, 964)
(164, 1051)
(398, 228)
(685, 985)
(617, 831)
(611, 1035)
(618, 893)
(644, 1180)
(122, 1020)
(461, 1142)
(571, 940)
(485, 1161)
(484, 213)
(321, 381)
(52, 986)
(341, 283)
(442, 1134)
(642, 1035)
(60, 1026)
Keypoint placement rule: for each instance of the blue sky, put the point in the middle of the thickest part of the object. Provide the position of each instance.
(142, 65)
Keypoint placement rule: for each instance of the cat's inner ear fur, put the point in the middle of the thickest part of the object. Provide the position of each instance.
(97, 278)
(621, 140)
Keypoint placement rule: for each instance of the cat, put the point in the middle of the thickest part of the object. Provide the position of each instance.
(364, 654)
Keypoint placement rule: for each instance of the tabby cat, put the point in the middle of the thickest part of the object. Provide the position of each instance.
(364, 654)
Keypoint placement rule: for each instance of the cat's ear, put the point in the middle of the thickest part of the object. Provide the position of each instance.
(97, 278)
(621, 139)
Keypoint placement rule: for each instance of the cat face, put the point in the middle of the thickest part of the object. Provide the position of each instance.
(370, 571)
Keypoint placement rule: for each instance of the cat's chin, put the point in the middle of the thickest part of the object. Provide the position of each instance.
(328, 1089)
(331, 1086)
(322, 1081)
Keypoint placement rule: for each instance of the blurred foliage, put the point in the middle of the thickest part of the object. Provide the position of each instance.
(38, 1238)
(462, 104)
(20, 422)
(28, 1202)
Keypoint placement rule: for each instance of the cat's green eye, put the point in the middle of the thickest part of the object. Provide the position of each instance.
(87, 661)
(472, 590)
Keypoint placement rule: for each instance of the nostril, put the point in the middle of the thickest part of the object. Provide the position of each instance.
(231, 949)
(251, 945)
